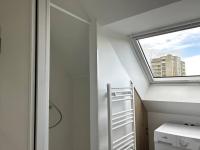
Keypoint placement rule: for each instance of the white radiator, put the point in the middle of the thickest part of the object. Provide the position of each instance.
(121, 119)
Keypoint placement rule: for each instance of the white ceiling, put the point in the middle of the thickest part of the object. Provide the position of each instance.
(131, 16)
(72, 6)
(167, 15)
(70, 43)
(108, 11)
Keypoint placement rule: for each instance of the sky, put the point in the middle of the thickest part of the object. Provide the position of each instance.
(185, 44)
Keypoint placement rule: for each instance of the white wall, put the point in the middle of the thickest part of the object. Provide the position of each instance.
(174, 99)
(174, 92)
(15, 58)
(110, 70)
(126, 56)
(172, 103)
(81, 113)
(61, 94)
(187, 108)
(60, 137)
(117, 66)
(71, 95)
(157, 119)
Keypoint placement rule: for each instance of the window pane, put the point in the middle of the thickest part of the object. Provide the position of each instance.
(173, 54)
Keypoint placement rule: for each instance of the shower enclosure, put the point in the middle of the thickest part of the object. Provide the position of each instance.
(69, 106)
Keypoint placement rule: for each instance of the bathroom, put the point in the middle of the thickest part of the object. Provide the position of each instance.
(61, 61)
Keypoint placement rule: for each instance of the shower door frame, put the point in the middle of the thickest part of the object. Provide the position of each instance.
(42, 73)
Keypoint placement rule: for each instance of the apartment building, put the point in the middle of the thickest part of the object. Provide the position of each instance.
(167, 66)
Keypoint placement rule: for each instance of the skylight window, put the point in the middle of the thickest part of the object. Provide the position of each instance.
(173, 54)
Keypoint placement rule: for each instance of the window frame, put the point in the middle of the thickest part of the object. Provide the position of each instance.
(134, 39)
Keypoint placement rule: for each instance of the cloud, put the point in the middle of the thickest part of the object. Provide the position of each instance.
(178, 44)
(171, 43)
(192, 65)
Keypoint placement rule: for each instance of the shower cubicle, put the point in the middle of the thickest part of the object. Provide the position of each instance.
(69, 109)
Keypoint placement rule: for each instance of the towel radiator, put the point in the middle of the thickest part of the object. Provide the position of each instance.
(122, 119)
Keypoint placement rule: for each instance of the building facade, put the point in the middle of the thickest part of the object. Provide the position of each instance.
(168, 66)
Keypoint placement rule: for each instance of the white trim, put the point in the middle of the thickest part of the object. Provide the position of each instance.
(42, 88)
(43, 57)
(32, 77)
(142, 58)
(134, 105)
(94, 131)
(69, 13)
(167, 29)
(194, 79)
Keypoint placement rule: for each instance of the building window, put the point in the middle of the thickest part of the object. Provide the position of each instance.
(175, 53)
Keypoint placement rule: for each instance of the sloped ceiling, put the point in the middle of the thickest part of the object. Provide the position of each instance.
(180, 11)
(108, 11)
(69, 43)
